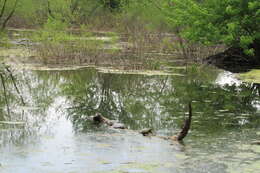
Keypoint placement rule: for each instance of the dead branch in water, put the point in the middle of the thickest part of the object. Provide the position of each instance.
(186, 127)
(98, 118)
(101, 119)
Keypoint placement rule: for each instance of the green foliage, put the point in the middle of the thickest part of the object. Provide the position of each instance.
(55, 25)
(57, 43)
(31, 11)
(233, 22)
(4, 40)
(78, 12)
(146, 12)
(53, 32)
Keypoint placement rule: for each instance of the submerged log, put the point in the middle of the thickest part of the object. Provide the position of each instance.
(98, 118)
(185, 129)
(255, 143)
(147, 131)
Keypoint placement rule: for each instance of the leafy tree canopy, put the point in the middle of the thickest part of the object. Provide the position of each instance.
(233, 22)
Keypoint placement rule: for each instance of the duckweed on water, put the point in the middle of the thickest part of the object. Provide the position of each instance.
(135, 167)
(244, 167)
(137, 72)
(18, 52)
(12, 122)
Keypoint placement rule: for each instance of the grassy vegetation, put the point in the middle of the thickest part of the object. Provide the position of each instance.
(107, 32)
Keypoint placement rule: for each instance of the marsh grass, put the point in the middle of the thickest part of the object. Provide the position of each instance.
(142, 35)
(4, 40)
(137, 48)
(142, 51)
(197, 52)
(60, 46)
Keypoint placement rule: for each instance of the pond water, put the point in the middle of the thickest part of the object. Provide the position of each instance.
(46, 129)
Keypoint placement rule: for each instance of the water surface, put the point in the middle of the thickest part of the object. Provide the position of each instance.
(51, 132)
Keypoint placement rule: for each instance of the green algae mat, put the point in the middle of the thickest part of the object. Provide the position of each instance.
(252, 76)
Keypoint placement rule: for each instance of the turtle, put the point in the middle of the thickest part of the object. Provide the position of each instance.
(146, 131)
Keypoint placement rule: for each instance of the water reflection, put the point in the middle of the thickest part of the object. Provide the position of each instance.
(56, 106)
(227, 78)
(138, 101)
(160, 102)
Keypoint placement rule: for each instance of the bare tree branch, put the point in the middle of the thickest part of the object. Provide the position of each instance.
(10, 14)
(3, 9)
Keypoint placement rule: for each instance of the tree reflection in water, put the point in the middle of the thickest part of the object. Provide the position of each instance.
(160, 101)
(138, 101)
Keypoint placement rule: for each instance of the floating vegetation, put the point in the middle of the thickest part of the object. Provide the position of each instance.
(252, 76)
(41, 67)
(12, 122)
(135, 167)
(15, 52)
(137, 72)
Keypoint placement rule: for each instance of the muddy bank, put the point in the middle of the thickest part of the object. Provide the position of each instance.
(234, 60)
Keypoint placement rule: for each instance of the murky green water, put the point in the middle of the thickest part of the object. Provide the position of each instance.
(52, 134)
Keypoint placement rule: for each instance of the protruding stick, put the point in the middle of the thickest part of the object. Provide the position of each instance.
(186, 126)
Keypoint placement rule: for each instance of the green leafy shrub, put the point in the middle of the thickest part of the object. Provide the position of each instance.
(233, 22)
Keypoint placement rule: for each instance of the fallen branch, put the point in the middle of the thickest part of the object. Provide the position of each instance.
(98, 118)
(255, 143)
(186, 127)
